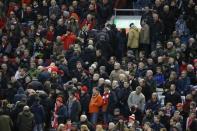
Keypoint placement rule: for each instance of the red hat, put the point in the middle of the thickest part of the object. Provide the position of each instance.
(54, 69)
(132, 117)
(195, 60)
(84, 88)
(179, 105)
(60, 99)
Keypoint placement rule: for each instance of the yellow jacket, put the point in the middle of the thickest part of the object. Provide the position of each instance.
(133, 37)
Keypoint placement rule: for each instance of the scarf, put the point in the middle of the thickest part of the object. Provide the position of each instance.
(54, 122)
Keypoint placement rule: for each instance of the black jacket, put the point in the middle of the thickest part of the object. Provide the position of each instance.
(173, 98)
(73, 111)
(85, 100)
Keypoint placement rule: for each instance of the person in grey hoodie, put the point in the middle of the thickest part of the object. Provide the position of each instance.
(137, 99)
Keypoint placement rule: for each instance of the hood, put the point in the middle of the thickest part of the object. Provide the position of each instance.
(43, 95)
(20, 91)
(27, 113)
(135, 28)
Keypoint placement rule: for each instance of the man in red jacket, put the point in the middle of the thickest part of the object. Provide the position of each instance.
(68, 39)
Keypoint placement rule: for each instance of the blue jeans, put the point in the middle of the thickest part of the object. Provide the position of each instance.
(106, 117)
(38, 127)
(94, 117)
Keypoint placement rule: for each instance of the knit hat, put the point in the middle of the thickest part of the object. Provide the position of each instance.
(195, 60)
(179, 105)
(84, 88)
(132, 117)
(60, 99)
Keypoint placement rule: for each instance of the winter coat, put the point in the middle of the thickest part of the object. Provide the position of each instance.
(54, 10)
(68, 40)
(159, 79)
(39, 113)
(104, 12)
(133, 38)
(183, 85)
(62, 114)
(156, 33)
(20, 95)
(112, 102)
(115, 74)
(35, 84)
(25, 121)
(89, 55)
(73, 110)
(95, 103)
(60, 30)
(84, 100)
(173, 98)
(153, 105)
(157, 127)
(145, 35)
(5, 123)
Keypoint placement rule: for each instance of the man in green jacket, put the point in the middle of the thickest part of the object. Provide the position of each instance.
(5, 122)
(25, 120)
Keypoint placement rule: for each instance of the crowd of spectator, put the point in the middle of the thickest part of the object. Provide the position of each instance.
(64, 67)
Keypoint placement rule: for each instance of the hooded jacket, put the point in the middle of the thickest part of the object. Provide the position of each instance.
(20, 95)
(95, 103)
(25, 121)
(133, 37)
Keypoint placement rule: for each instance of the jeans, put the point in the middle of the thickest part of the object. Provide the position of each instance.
(38, 127)
(105, 117)
(94, 117)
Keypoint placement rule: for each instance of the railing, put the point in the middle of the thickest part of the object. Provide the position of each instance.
(126, 10)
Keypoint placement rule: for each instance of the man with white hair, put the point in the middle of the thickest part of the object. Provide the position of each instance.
(111, 126)
(84, 121)
(191, 74)
(150, 81)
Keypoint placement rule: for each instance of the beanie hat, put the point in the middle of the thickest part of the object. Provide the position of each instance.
(60, 99)
(84, 88)
(179, 105)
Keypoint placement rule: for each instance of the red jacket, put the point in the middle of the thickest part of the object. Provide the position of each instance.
(89, 24)
(68, 40)
(28, 2)
(2, 23)
(50, 35)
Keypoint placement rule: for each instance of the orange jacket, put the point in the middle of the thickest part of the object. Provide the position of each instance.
(28, 2)
(95, 103)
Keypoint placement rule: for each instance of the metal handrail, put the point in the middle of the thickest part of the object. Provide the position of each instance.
(115, 10)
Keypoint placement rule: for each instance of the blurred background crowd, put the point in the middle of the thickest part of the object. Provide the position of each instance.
(64, 67)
